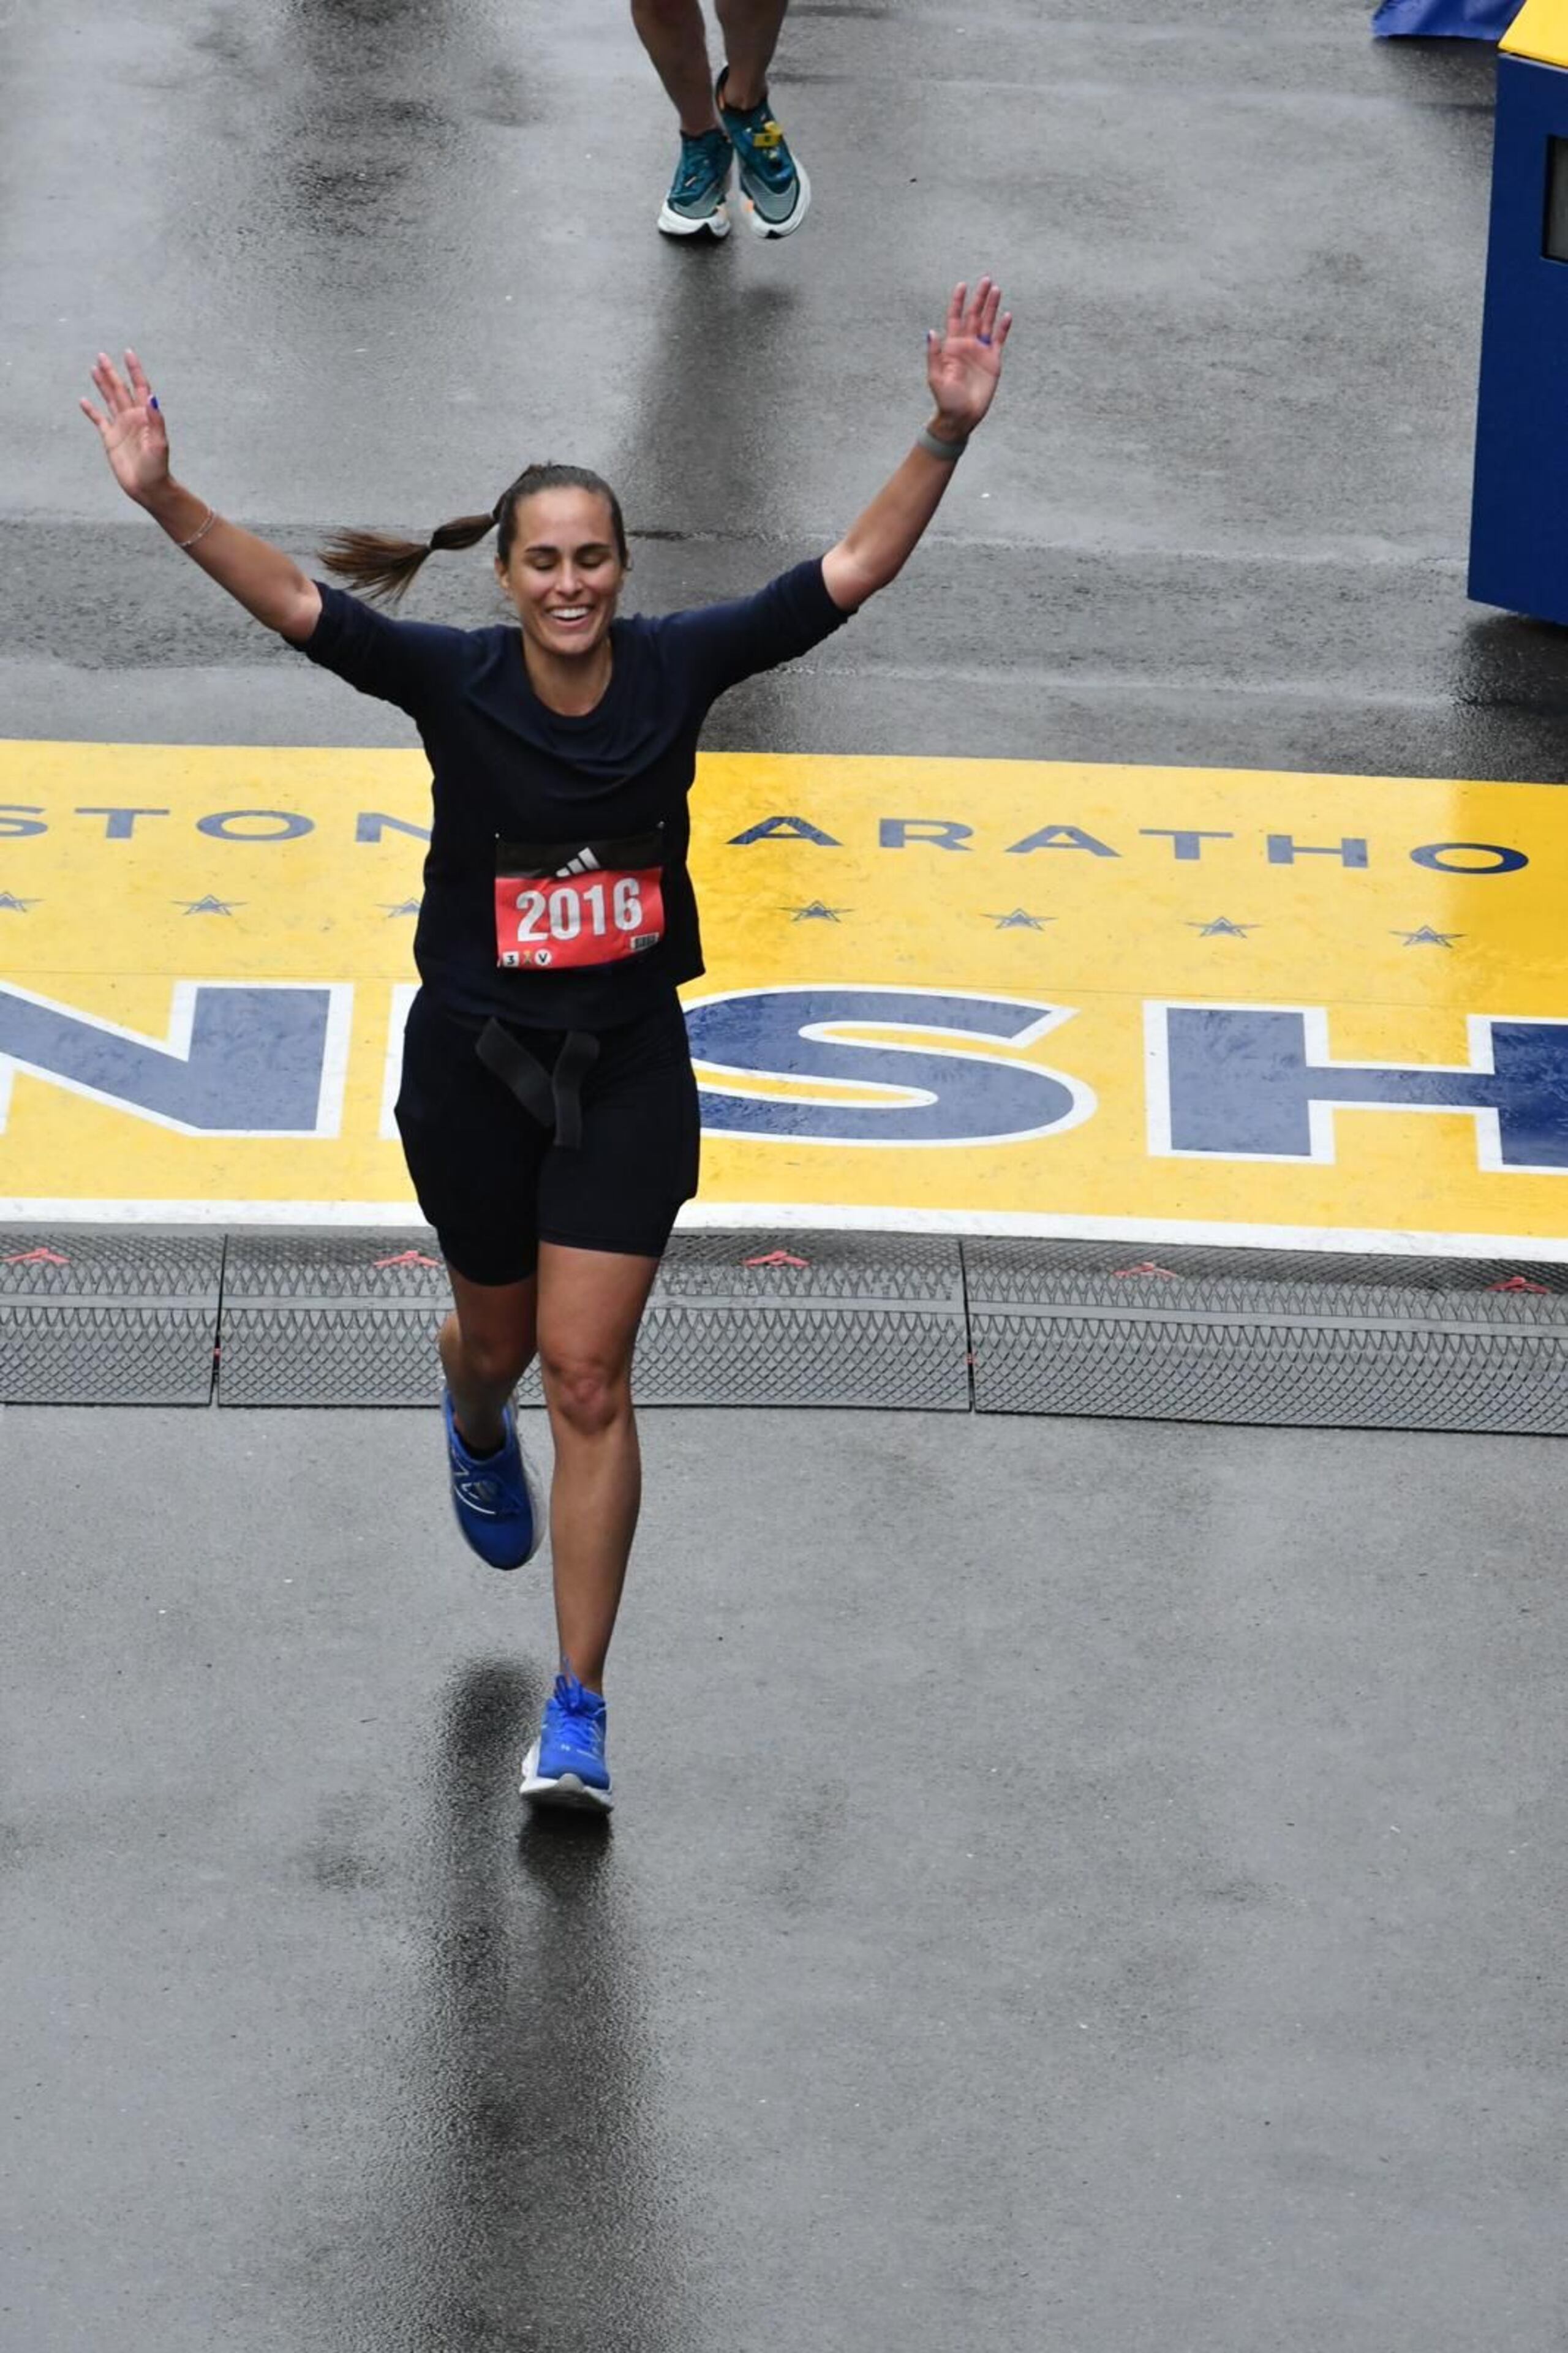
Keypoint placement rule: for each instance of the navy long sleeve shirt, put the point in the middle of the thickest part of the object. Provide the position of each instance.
(505, 768)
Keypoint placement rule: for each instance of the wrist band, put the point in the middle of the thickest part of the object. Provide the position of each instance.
(935, 447)
(202, 532)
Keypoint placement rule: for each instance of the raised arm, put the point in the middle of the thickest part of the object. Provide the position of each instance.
(963, 367)
(268, 583)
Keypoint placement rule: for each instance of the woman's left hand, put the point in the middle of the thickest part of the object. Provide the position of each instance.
(963, 363)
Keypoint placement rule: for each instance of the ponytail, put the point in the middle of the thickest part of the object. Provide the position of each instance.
(379, 564)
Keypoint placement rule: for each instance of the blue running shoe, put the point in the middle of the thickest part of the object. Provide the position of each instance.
(495, 1496)
(566, 1766)
(777, 193)
(696, 203)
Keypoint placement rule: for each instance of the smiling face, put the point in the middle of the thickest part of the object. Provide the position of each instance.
(562, 570)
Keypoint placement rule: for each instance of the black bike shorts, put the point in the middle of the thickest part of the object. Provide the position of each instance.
(492, 1177)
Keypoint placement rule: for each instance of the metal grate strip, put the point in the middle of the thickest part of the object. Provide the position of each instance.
(105, 1317)
(1064, 1331)
(824, 1320)
(97, 1316)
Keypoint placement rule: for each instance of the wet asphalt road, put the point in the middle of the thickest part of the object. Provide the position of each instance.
(1083, 1886)
(1086, 1886)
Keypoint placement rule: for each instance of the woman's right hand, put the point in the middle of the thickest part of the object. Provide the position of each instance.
(134, 438)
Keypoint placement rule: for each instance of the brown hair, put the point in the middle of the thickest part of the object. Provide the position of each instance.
(379, 564)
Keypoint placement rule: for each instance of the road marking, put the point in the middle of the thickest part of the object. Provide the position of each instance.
(1217, 975)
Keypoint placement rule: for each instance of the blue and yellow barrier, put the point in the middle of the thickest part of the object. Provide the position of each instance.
(1518, 519)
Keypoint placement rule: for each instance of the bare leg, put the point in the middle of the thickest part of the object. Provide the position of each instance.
(591, 1304)
(676, 38)
(751, 29)
(486, 1348)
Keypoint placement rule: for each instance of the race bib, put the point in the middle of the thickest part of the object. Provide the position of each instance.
(563, 908)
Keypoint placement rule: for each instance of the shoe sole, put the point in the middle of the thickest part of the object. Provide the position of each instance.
(715, 225)
(568, 1793)
(761, 227)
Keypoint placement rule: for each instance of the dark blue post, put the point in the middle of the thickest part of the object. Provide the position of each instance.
(1519, 521)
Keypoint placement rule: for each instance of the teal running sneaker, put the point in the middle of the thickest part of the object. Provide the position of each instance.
(695, 203)
(566, 1766)
(776, 192)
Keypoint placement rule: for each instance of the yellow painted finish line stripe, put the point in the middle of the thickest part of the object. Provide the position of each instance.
(1073, 963)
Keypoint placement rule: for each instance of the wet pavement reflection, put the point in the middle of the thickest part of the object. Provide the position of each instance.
(527, 2204)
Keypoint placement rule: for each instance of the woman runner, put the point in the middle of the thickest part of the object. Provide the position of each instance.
(549, 1110)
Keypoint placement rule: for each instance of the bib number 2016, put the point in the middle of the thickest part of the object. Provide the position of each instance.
(546, 917)
(577, 921)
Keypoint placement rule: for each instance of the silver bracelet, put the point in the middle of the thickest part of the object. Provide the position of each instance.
(212, 517)
(934, 447)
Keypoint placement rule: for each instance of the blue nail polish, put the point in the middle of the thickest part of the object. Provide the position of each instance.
(154, 403)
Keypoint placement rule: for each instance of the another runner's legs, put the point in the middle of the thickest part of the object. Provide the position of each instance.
(739, 127)
(675, 35)
(751, 30)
